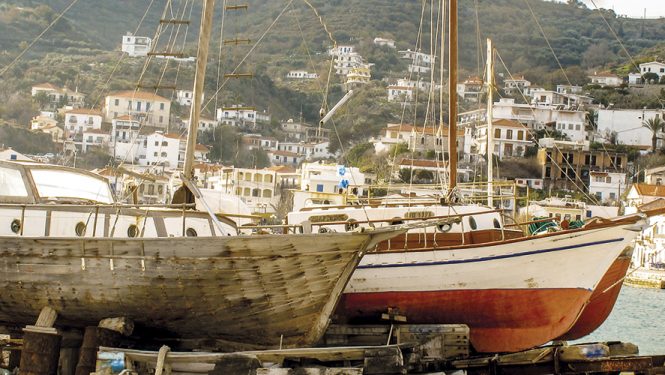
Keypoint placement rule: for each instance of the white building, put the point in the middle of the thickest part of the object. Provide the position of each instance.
(326, 178)
(653, 67)
(136, 45)
(510, 139)
(148, 108)
(95, 138)
(285, 158)
(80, 120)
(400, 93)
(627, 124)
(607, 187)
(58, 97)
(471, 89)
(257, 141)
(164, 149)
(515, 86)
(239, 115)
(359, 75)
(10, 154)
(384, 42)
(655, 176)
(640, 194)
(571, 123)
(185, 97)
(606, 79)
(635, 79)
(420, 62)
(309, 151)
(301, 74)
(204, 123)
(569, 89)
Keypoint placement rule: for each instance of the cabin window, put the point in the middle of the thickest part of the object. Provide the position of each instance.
(191, 232)
(79, 229)
(15, 226)
(11, 183)
(66, 184)
(132, 231)
(496, 223)
(472, 223)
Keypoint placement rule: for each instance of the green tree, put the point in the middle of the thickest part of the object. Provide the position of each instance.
(656, 126)
(42, 99)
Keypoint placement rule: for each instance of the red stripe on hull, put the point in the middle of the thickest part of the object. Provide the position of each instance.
(500, 320)
(601, 302)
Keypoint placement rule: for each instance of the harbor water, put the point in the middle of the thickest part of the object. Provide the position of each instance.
(636, 318)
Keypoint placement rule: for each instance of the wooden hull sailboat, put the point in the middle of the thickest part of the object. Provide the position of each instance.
(513, 294)
(251, 291)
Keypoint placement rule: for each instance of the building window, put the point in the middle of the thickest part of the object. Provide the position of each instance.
(156, 144)
(161, 119)
(520, 135)
(163, 154)
(497, 133)
(164, 143)
(117, 102)
(155, 154)
(161, 106)
(509, 134)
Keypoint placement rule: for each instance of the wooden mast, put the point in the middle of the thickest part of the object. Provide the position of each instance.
(452, 98)
(199, 78)
(490, 127)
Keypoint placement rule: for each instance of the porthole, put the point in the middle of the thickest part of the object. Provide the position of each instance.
(472, 223)
(325, 230)
(497, 224)
(444, 228)
(191, 232)
(80, 229)
(351, 224)
(132, 231)
(16, 226)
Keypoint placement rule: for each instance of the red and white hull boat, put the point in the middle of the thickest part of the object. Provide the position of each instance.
(513, 294)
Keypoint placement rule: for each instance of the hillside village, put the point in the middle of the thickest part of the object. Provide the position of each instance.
(556, 137)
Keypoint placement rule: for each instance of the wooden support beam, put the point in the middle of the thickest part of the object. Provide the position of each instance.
(122, 325)
(236, 41)
(236, 7)
(46, 317)
(174, 21)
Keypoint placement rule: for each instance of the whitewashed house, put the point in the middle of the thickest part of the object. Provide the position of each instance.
(301, 74)
(257, 141)
(326, 178)
(95, 138)
(80, 120)
(384, 42)
(420, 62)
(58, 97)
(640, 194)
(136, 46)
(471, 89)
(572, 124)
(627, 125)
(607, 187)
(239, 115)
(510, 137)
(653, 67)
(516, 85)
(400, 93)
(606, 79)
(655, 176)
(164, 149)
(285, 158)
(185, 97)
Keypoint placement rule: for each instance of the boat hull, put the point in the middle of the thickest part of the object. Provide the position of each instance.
(602, 300)
(254, 291)
(514, 294)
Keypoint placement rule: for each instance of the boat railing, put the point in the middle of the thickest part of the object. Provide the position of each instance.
(94, 211)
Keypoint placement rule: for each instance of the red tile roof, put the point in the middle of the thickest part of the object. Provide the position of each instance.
(131, 94)
(650, 190)
(84, 111)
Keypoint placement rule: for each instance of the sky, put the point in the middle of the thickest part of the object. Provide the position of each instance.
(631, 8)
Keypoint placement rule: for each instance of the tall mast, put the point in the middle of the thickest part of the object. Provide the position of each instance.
(452, 98)
(490, 126)
(199, 78)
